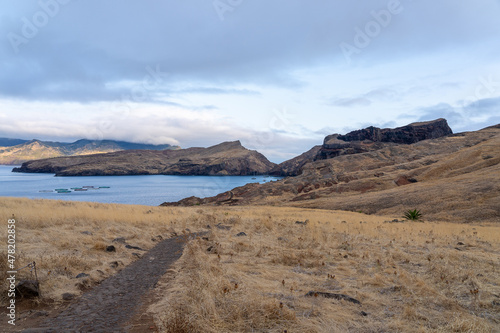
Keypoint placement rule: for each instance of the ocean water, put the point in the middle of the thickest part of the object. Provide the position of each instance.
(139, 190)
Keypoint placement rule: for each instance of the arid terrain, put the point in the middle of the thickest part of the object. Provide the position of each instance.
(269, 269)
(453, 178)
(325, 249)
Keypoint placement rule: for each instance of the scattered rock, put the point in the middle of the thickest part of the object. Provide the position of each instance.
(157, 238)
(82, 275)
(68, 296)
(100, 272)
(134, 247)
(27, 289)
(395, 221)
(114, 264)
(241, 234)
(460, 243)
(110, 248)
(392, 289)
(331, 295)
(119, 240)
(205, 238)
(138, 255)
(364, 314)
(283, 239)
(210, 249)
(223, 227)
(403, 180)
(208, 226)
(302, 222)
(87, 233)
(40, 314)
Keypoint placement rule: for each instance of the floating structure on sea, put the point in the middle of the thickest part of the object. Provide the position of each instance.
(75, 189)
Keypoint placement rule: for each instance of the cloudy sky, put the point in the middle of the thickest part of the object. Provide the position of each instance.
(278, 75)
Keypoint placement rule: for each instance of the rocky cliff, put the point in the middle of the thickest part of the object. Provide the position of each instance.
(373, 138)
(228, 158)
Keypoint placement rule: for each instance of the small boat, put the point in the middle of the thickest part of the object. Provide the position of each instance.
(104, 187)
(46, 191)
(67, 191)
(61, 189)
(80, 189)
(87, 186)
(254, 178)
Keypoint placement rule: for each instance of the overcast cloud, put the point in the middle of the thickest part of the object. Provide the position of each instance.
(278, 75)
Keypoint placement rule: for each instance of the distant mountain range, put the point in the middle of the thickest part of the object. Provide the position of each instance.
(17, 151)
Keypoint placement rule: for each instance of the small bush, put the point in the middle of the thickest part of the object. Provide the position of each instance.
(412, 215)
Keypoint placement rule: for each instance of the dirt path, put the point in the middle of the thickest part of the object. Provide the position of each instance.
(113, 305)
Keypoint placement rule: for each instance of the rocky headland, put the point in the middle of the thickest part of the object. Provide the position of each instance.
(228, 158)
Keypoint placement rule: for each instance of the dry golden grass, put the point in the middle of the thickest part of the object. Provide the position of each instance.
(50, 233)
(409, 277)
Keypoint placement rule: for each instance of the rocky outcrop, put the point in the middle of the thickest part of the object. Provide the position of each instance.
(453, 178)
(373, 138)
(228, 158)
(406, 135)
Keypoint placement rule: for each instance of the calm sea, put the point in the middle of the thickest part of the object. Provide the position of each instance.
(139, 190)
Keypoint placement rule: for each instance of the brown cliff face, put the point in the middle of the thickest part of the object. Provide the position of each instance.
(452, 178)
(228, 158)
(373, 138)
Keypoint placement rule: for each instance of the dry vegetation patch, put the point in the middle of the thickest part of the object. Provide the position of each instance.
(68, 238)
(407, 277)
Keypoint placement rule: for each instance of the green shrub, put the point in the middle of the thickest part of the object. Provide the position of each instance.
(412, 215)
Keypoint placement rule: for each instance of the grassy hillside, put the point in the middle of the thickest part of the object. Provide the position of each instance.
(408, 277)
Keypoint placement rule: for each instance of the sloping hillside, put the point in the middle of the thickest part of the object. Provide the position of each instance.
(454, 178)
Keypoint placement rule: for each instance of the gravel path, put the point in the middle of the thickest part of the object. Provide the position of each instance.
(110, 305)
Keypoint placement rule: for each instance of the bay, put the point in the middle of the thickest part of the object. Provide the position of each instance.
(150, 190)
